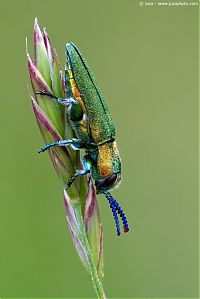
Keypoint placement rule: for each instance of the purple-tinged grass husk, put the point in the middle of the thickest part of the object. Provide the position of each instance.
(80, 200)
(94, 228)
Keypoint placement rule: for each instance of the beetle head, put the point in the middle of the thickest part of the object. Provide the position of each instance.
(108, 182)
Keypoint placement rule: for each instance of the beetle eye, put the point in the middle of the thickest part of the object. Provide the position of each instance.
(75, 112)
(106, 183)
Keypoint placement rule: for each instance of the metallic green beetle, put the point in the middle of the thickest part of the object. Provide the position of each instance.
(92, 123)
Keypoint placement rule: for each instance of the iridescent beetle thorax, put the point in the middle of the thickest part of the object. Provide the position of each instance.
(108, 165)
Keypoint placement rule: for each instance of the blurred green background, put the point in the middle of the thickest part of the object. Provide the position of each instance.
(146, 62)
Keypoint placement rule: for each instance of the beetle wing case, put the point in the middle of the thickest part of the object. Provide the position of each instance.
(100, 122)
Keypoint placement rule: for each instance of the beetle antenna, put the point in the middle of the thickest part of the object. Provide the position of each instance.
(114, 205)
(114, 211)
(123, 216)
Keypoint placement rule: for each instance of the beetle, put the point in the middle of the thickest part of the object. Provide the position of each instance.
(92, 124)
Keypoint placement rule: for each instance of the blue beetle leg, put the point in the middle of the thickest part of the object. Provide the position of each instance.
(75, 112)
(72, 179)
(60, 100)
(45, 93)
(57, 143)
(78, 144)
(84, 171)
